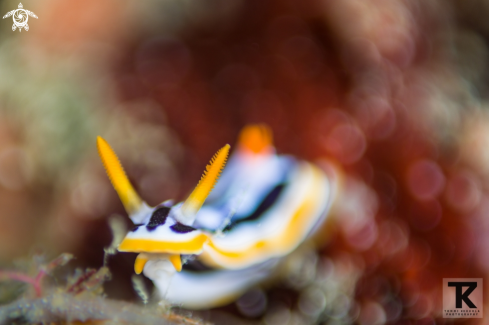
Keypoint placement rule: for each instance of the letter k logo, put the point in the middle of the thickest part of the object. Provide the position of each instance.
(459, 296)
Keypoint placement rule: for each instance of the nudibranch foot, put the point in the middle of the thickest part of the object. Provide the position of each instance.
(212, 288)
(161, 271)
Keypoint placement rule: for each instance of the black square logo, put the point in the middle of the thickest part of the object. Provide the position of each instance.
(462, 298)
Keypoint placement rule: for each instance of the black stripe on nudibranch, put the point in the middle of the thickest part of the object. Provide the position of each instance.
(181, 228)
(136, 226)
(158, 218)
(266, 204)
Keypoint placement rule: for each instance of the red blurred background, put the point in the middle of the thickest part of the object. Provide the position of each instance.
(392, 91)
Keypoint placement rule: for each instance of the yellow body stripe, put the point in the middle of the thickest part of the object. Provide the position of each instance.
(130, 199)
(196, 199)
(176, 260)
(193, 246)
(277, 245)
(213, 255)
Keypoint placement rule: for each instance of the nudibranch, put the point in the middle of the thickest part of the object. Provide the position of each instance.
(231, 233)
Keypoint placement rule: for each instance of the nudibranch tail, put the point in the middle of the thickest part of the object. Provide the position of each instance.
(256, 138)
(196, 199)
(129, 197)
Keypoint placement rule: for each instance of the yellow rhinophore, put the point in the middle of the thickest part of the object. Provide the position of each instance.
(130, 199)
(196, 199)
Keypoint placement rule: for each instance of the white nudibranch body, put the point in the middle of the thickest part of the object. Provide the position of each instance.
(262, 208)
